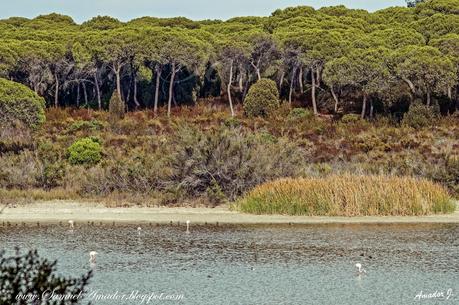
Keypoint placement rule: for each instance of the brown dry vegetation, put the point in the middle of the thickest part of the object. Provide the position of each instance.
(348, 195)
(203, 155)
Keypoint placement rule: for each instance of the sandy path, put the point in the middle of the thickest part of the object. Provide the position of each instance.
(57, 211)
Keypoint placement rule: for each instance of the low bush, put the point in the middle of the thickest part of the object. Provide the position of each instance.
(300, 114)
(19, 103)
(116, 109)
(448, 173)
(453, 165)
(15, 138)
(19, 171)
(52, 175)
(139, 174)
(232, 122)
(92, 125)
(86, 151)
(262, 99)
(348, 195)
(452, 168)
(29, 170)
(351, 118)
(49, 152)
(203, 156)
(420, 115)
(228, 161)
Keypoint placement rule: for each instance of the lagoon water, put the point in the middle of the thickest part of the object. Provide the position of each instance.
(255, 265)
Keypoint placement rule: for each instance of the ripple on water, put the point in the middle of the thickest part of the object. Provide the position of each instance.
(256, 264)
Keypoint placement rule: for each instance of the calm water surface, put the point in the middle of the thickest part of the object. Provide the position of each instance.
(256, 264)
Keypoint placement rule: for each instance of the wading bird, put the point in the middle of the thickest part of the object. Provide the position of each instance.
(92, 257)
(139, 229)
(71, 224)
(360, 270)
(187, 227)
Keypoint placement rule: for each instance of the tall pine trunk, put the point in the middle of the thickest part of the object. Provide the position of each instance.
(364, 106)
(335, 97)
(128, 94)
(257, 69)
(246, 87)
(78, 95)
(229, 89)
(457, 98)
(136, 101)
(292, 85)
(56, 93)
(171, 90)
(118, 82)
(313, 92)
(281, 81)
(96, 82)
(159, 71)
(372, 108)
(300, 80)
(412, 88)
(85, 94)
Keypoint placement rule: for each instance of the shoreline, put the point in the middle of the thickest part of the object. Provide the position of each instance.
(55, 212)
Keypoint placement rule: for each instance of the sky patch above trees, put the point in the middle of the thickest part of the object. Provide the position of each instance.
(194, 9)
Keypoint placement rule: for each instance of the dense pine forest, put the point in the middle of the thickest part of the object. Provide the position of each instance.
(332, 59)
(174, 109)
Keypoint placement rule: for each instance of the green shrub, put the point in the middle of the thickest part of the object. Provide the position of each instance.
(92, 125)
(300, 114)
(49, 151)
(232, 122)
(215, 194)
(351, 118)
(116, 108)
(265, 137)
(262, 99)
(86, 151)
(420, 115)
(53, 169)
(348, 195)
(52, 175)
(19, 103)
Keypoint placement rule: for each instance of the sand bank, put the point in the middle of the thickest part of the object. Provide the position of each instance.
(62, 211)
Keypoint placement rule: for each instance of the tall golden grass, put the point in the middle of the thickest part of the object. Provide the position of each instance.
(348, 195)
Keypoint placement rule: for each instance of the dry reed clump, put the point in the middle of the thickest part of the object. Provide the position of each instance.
(348, 195)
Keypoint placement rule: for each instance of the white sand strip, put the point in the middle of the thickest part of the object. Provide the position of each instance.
(62, 211)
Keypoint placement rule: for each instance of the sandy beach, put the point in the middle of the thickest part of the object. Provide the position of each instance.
(82, 212)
